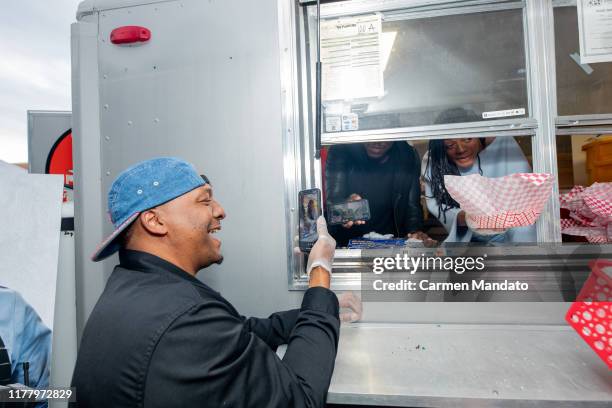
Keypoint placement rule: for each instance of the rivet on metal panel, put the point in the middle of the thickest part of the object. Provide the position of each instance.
(288, 130)
(154, 66)
(129, 123)
(106, 106)
(286, 49)
(108, 173)
(107, 138)
(156, 120)
(125, 69)
(292, 209)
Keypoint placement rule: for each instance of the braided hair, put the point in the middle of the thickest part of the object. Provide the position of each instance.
(439, 164)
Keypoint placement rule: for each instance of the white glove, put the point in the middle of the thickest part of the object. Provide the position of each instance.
(322, 252)
(481, 231)
(351, 307)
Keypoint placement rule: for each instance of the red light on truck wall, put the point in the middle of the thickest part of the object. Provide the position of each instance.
(130, 34)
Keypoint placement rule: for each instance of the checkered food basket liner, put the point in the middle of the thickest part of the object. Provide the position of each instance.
(590, 211)
(504, 202)
(591, 314)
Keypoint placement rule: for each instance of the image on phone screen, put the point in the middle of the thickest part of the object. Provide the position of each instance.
(349, 211)
(310, 210)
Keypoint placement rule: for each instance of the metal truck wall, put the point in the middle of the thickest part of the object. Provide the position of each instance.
(206, 88)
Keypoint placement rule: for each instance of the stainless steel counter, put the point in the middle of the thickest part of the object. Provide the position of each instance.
(431, 365)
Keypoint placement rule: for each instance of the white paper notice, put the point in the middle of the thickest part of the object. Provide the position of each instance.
(351, 58)
(595, 30)
(350, 121)
(29, 243)
(503, 113)
(333, 123)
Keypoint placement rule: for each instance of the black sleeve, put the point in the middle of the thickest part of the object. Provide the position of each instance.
(336, 174)
(414, 210)
(274, 330)
(208, 357)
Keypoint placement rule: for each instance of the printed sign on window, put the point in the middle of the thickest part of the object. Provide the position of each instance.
(595, 30)
(351, 58)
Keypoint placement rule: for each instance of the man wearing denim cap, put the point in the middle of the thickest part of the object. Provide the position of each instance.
(159, 337)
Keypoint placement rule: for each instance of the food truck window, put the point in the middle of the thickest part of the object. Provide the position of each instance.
(582, 89)
(396, 180)
(408, 74)
(401, 68)
(583, 160)
(584, 122)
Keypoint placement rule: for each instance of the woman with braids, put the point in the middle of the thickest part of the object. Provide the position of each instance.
(489, 157)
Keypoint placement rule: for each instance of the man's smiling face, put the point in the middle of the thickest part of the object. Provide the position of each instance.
(193, 220)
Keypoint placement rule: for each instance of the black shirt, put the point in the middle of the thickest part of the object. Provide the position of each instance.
(159, 337)
(374, 182)
(392, 188)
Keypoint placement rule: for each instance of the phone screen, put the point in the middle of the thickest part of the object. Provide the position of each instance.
(310, 210)
(349, 211)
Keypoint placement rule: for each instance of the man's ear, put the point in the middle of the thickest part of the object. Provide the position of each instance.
(152, 222)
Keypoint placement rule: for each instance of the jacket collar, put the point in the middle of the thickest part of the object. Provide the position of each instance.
(146, 262)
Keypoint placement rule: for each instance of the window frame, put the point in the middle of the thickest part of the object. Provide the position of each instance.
(301, 168)
(568, 125)
(586, 124)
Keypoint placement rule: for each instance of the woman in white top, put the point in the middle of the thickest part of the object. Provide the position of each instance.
(490, 157)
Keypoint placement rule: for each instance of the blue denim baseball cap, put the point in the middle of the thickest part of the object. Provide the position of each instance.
(141, 187)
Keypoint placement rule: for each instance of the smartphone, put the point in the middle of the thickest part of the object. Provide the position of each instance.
(310, 209)
(341, 213)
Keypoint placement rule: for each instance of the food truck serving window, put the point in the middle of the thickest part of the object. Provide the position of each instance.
(584, 119)
(440, 84)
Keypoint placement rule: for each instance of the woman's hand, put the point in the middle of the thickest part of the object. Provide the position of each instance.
(427, 240)
(347, 225)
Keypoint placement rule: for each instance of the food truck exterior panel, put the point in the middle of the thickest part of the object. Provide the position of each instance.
(206, 88)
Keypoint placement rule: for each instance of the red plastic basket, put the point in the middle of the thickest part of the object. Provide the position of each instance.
(591, 314)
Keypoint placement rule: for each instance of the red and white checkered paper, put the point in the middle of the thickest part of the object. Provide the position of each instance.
(504, 202)
(590, 212)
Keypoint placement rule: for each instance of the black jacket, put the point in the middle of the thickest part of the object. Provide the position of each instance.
(344, 161)
(159, 337)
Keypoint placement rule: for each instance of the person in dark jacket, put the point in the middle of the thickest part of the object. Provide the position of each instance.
(387, 175)
(159, 337)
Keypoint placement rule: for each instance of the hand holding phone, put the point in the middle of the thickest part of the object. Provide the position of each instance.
(309, 211)
(322, 252)
(353, 211)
